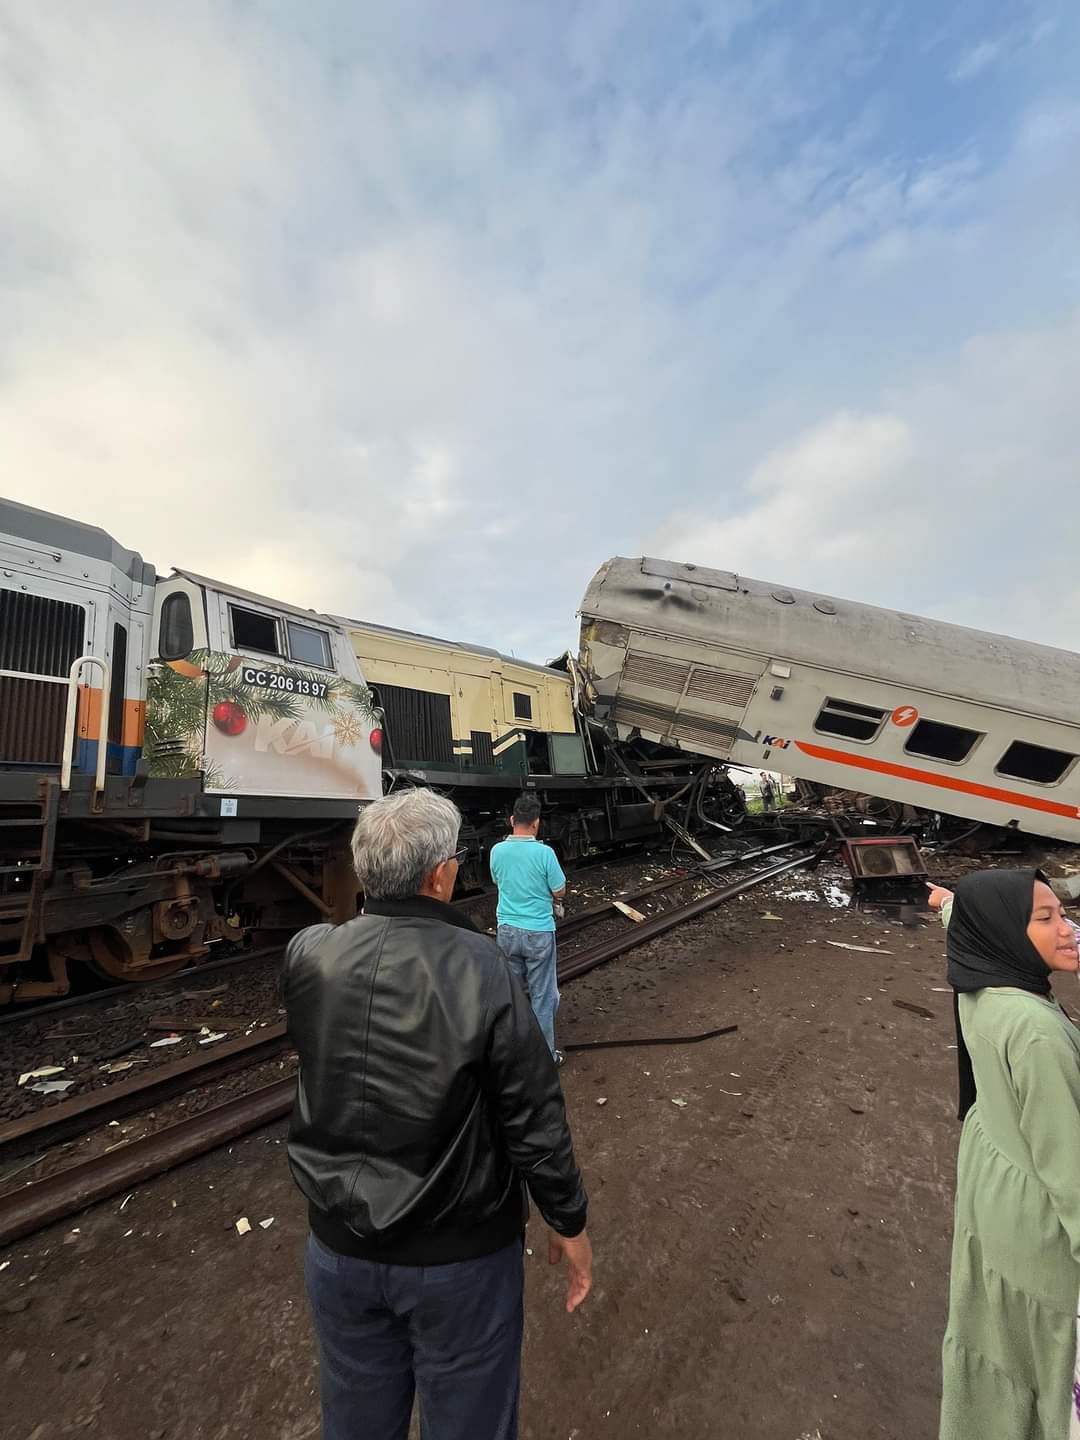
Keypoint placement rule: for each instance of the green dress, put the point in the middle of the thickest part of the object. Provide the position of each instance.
(1010, 1346)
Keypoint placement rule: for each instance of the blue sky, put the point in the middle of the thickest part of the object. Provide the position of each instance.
(418, 312)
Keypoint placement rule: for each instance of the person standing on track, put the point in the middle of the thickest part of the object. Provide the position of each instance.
(426, 1103)
(1009, 1359)
(531, 886)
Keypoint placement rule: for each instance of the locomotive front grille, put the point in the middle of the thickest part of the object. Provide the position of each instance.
(38, 636)
(31, 721)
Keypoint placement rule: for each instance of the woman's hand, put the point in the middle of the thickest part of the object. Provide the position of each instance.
(938, 895)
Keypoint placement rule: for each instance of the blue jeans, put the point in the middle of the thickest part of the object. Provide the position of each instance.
(531, 956)
(450, 1332)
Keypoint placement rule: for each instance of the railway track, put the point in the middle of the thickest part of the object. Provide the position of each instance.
(14, 1013)
(40, 1202)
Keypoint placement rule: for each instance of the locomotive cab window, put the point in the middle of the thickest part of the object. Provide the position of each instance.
(309, 646)
(1037, 763)
(849, 719)
(253, 631)
(937, 741)
(522, 706)
(177, 637)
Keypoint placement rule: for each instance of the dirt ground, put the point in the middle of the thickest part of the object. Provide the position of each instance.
(771, 1255)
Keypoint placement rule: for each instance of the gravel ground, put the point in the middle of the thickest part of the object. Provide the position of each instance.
(771, 1255)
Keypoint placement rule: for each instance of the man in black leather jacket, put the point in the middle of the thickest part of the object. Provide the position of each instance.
(427, 1102)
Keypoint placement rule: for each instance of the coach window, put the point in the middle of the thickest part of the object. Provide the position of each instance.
(309, 646)
(1036, 763)
(522, 706)
(937, 741)
(177, 635)
(852, 721)
(253, 631)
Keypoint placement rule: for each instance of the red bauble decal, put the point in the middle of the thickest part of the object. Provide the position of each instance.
(375, 741)
(229, 717)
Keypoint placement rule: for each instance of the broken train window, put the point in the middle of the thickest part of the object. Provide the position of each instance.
(849, 719)
(1037, 763)
(938, 741)
(254, 631)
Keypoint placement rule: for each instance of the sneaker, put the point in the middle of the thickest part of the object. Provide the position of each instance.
(558, 1057)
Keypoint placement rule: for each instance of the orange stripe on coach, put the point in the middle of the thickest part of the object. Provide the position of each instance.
(943, 782)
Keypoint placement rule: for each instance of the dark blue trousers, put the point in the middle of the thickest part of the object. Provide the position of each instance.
(449, 1333)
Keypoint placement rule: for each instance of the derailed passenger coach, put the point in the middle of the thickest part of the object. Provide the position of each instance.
(924, 713)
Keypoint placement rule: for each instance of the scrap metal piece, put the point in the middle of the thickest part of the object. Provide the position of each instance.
(884, 862)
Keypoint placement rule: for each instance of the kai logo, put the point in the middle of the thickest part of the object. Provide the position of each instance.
(294, 737)
(775, 742)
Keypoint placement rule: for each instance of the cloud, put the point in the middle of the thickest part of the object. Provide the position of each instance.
(979, 58)
(959, 501)
(418, 316)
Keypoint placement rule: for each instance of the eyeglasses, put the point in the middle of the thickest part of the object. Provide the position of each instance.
(459, 855)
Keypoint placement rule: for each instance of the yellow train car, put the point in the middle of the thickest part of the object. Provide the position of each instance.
(464, 713)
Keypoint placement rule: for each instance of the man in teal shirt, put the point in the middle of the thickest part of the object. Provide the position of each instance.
(531, 883)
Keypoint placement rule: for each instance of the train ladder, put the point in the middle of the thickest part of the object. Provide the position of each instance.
(27, 837)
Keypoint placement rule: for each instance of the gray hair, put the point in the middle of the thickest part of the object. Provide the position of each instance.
(400, 839)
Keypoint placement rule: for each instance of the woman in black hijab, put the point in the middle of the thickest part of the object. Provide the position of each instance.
(1009, 1357)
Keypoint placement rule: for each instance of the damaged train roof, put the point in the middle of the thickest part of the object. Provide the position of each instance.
(763, 618)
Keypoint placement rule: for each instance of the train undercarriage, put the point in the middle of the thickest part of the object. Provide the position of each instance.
(142, 879)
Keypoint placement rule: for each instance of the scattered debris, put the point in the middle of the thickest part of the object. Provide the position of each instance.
(243, 1225)
(124, 1049)
(117, 1067)
(863, 949)
(601, 1100)
(180, 1024)
(212, 1037)
(40, 1073)
(126, 1199)
(770, 916)
(4, 1264)
(887, 865)
(165, 1040)
(678, 1100)
(629, 911)
(52, 1087)
(265, 1224)
(915, 1009)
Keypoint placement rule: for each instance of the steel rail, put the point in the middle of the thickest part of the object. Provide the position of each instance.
(54, 1124)
(14, 1012)
(42, 1202)
(608, 909)
(585, 960)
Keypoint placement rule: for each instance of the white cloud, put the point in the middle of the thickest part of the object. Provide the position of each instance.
(979, 58)
(960, 501)
(417, 314)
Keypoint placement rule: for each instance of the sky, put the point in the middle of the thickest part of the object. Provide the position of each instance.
(417, 312)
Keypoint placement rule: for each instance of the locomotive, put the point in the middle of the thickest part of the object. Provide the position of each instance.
(182, 761)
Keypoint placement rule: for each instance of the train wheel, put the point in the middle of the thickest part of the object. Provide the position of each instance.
(125, 955)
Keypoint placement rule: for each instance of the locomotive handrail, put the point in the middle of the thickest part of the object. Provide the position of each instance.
(69, 720)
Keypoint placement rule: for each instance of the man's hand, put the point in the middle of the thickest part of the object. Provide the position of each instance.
(578, 1252)
(938, 895)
